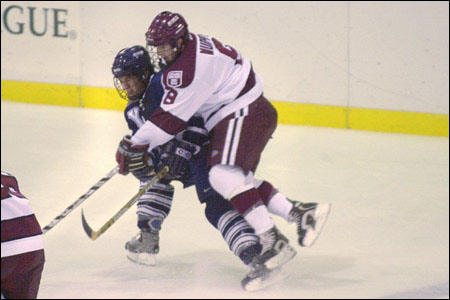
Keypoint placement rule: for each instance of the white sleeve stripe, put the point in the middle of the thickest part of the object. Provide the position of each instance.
(15, 207)
(23, 245)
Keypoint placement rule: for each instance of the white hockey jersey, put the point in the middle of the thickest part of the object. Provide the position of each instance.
(208, 79)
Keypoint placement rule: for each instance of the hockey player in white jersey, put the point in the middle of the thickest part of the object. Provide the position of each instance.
(202, 76)
(23, 255)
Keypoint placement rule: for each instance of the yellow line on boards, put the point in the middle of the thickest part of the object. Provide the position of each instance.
(288, 112)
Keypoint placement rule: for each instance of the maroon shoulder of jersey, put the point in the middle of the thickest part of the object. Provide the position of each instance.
(181, 73)
(10, 186)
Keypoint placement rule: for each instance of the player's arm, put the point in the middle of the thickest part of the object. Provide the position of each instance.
(178, 105)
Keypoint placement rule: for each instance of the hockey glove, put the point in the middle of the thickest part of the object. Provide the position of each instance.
(195, 134)
(176, 155)
(134, 159)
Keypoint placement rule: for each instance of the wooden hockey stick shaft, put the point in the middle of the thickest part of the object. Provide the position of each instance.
(80, 200)
(93, 235)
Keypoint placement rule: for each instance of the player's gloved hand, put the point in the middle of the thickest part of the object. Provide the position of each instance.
(147, 173)
(134, 159)
(195, 134)
(176, 155)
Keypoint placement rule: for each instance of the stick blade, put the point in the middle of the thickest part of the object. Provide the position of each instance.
(91, 234)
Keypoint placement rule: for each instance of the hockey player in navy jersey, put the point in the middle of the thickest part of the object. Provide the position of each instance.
(204, 77)
(185, 155)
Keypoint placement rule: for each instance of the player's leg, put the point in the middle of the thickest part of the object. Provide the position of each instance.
(309, 217)
(239, 236)
(242, 240)
(236, 146)
(153, 207)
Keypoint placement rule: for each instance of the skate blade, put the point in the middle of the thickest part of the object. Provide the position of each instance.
(272, 277)
(146, 259)
(285, 255)
(321, 216)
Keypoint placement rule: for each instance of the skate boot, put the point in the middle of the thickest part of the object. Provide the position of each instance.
(249, 252)
(276, 250)
(142, 248)
(310, 218)
(260, 276)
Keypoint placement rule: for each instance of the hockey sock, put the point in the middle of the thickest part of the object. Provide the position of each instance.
(276, 202)
(280, 205)
(236, 232)
(259, 218)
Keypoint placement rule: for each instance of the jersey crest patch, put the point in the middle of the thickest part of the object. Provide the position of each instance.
(175, 78)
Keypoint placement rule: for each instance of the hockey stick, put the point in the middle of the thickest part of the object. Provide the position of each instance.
(80, 200)
(93, 235)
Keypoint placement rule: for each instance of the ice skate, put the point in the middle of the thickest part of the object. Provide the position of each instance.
(276, 250)
(310, 218)
(142, 248)
(260, 276)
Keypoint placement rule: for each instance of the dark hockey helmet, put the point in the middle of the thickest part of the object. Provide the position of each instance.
(134, 60)
(131, 61)
(167, 27)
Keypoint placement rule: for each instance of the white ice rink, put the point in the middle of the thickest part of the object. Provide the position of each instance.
(387, 235)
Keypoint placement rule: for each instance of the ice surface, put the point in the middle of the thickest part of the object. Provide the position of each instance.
(387, 235)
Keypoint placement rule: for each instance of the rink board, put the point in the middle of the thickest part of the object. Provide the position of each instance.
(289, 112)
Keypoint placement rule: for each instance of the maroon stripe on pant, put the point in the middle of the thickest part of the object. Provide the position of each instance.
(246, 200)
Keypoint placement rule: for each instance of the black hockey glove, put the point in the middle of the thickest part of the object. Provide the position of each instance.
(195, 134)
(134, 159)
(176, 155)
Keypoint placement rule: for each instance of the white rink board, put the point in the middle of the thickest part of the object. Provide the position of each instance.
(381, 55)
